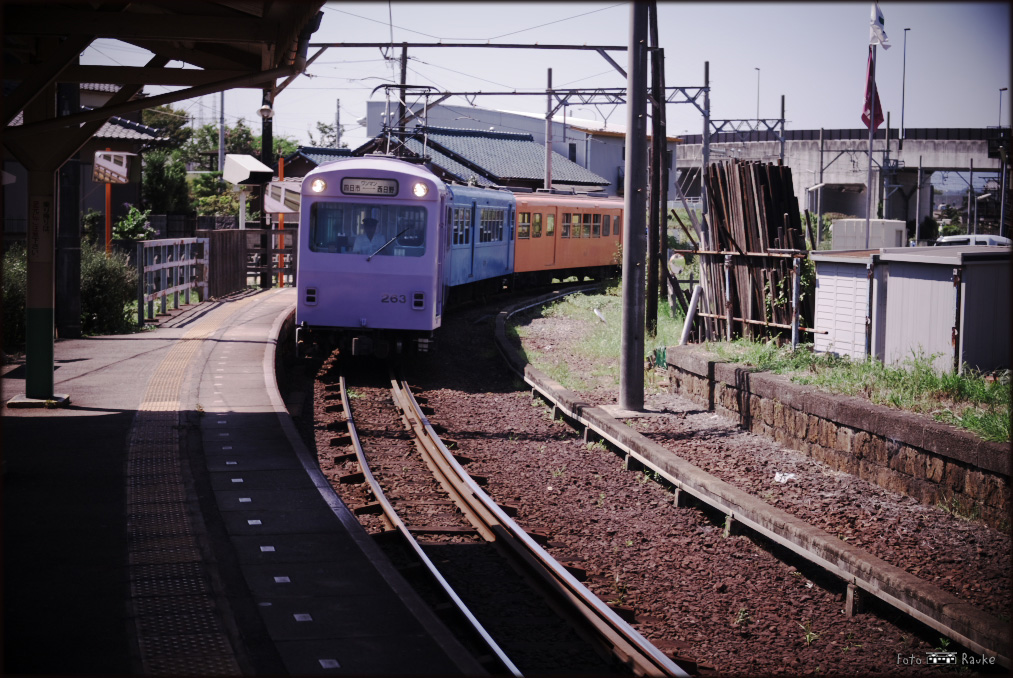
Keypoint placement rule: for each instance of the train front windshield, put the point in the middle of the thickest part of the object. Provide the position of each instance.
(384, 230)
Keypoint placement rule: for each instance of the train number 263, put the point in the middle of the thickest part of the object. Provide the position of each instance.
(394, 299)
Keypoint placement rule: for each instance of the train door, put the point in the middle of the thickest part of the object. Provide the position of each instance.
(548, 227)
(473, 238)
(444, 236)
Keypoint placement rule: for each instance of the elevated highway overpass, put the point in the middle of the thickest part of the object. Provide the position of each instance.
(838, 160)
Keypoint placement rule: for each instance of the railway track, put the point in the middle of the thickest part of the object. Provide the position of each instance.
(418, 523)
(865, 577)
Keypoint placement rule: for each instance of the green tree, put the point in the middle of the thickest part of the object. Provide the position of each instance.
(164, 188)
(202, 148)
(325, 136)
(283, 146)
(171, 121)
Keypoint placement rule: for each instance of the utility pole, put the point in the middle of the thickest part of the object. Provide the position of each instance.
(654, 227)
(337, 125)
(819, 197)
(970, 197)
(918, 204)
(631, 386)
(401, 103)
(548, 132)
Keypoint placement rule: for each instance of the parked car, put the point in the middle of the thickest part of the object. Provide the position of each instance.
(974, 240)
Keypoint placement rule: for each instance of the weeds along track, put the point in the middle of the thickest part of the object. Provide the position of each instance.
(520, 611)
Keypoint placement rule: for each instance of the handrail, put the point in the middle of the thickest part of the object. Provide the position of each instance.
(170, 266)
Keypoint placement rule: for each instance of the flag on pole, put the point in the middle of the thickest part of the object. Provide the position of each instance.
(877, 28)
(871, 95)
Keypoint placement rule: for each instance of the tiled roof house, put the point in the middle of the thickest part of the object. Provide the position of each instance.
(492, 158)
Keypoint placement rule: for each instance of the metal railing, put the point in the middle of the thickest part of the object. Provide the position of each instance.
(170, 267)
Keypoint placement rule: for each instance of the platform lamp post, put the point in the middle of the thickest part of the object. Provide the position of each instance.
(266, 157)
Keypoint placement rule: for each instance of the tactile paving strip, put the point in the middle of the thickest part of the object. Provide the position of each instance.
(179, 629)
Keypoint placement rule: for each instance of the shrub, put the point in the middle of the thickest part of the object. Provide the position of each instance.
(93, 226)
(133, 226)
(108, 292)
(15, 285)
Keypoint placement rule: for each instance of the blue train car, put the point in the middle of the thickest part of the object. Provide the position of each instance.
(372, 250)
(481, 230)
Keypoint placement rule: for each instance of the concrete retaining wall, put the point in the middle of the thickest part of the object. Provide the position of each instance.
(900, 451)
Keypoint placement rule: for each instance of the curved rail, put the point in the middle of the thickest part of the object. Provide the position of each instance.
(625, 642)
(391, 515)
(920, 600)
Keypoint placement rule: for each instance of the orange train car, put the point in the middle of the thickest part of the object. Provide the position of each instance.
(559, 236)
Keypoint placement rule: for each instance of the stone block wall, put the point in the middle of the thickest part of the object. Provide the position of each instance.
(900, 451)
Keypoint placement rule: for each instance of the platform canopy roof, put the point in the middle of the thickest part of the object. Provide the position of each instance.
(201, 46)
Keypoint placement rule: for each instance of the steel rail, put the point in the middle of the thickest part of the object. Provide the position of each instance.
(391, 515)
(853, 566)
(627, 644)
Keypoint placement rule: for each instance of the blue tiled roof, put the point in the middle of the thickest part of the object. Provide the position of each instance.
(463, 173)
(504, 156)
(319, 155)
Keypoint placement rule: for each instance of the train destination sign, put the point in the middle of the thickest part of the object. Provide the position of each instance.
(354, 186)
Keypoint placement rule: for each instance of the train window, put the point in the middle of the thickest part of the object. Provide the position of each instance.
(587, 225)
(617, 225)
(462, 225)
(575, 226)
(550, 225)
(564, 226)
(524, 225)
(596, 226)
(491, 224)
(605, 221)
(366, 228)
(536, 225)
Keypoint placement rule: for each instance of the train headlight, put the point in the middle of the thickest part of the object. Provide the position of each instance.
(420, 190)
(318, 185)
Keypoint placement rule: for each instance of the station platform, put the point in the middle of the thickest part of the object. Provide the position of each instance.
(171, 521)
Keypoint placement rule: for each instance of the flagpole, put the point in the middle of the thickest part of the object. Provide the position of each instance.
(872, 134)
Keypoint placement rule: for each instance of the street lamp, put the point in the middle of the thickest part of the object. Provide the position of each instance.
(1001, 90)
(757, 69)
(903, 83)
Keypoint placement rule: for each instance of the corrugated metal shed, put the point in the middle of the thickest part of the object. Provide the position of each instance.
(842, 303)
(948, 303)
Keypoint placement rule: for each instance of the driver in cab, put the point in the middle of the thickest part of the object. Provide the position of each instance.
(368, 240)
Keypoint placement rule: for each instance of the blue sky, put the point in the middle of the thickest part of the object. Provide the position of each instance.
(957, 59)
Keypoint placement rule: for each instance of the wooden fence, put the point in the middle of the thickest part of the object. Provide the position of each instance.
(226, 261)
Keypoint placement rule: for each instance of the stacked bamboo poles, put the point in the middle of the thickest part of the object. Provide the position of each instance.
(752, 231)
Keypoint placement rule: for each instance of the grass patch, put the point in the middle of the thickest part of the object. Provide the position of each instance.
(973, 401)
(597, 340)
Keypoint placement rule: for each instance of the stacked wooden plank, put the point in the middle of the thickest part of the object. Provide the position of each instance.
(753, 214)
